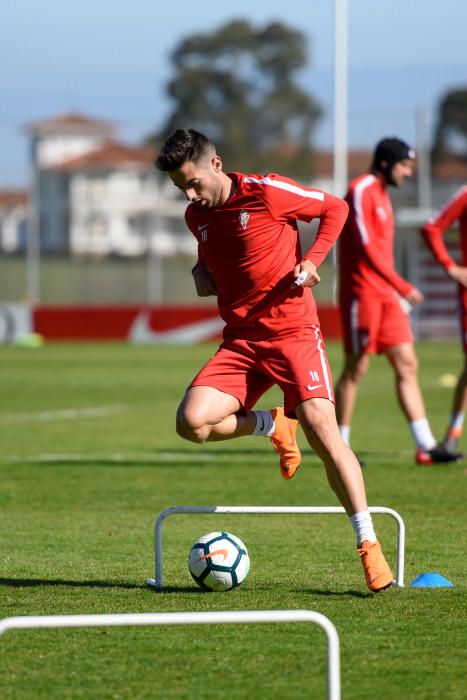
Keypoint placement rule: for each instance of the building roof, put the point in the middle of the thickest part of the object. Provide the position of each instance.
(110, 155)
(450, 168)
(13, 198)
(358, 162)
(72, 122)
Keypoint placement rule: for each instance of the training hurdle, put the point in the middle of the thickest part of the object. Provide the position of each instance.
(195, 618)
(158, 580)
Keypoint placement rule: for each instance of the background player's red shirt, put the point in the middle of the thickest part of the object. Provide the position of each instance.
(251, 245)
(454, 210)
(366, 246)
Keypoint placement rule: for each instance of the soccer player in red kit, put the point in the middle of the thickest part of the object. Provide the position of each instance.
(371, 298)
(454, 210)
(250, 258)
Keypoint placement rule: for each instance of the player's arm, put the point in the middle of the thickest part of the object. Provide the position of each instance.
(388, 273)
(433, 234)
(332, 217)
(204, 282)
(364, 206)
(458, 274)
(288, 200)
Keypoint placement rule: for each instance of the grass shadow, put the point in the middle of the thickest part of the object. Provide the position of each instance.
(162, 457)
(264, 589)
(335, 594)
(179, 589)
(38, 582)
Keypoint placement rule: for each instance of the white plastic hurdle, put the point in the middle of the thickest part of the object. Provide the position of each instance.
(158, 580)
(195, 618)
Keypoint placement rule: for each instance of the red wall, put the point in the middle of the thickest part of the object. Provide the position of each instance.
(115, 322)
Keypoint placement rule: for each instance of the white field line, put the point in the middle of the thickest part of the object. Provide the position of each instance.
(166, 456)
(63, 414)
(117, 457)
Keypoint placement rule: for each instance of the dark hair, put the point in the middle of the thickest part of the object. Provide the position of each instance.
(182, 146)
(391, 150)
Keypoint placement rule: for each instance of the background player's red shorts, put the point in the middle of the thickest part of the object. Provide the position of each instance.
(372, 325)
(246, 369)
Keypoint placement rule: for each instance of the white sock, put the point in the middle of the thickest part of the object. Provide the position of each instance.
(345, 432)
(421, 433)
(265, 425)
(363, 527)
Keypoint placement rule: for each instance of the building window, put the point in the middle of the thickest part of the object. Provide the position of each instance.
(96, 227)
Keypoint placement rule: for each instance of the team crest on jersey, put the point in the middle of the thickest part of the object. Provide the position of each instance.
(244, 217)
(381, 213)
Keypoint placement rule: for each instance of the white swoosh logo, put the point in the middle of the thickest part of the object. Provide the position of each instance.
(141, 331)
(312, 388)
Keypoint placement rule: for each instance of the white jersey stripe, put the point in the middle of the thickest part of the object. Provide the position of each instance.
(310, 194)
(324, 366)
(358, 195)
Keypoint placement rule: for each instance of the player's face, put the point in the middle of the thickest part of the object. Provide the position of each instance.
(401, 171)
(201, 182)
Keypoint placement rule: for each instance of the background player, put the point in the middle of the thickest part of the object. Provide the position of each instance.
(454, 210)
(370, 295)
(250, 257)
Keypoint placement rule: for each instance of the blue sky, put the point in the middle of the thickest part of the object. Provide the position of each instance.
(112, 60)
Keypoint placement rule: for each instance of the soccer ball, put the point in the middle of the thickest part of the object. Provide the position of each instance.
(219, 561)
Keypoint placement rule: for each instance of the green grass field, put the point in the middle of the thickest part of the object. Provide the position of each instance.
(89, 457)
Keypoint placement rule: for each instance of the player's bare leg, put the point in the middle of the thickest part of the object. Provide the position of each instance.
(318, 420)
(209, 415)
(355, 368)
(459, 408)
(405, 363)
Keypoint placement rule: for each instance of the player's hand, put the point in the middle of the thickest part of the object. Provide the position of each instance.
(204, 283)
(305, 274)
(458, 274)
(415, 297)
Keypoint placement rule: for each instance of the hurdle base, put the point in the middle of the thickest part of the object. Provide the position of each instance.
(152, 583)
(240, 510)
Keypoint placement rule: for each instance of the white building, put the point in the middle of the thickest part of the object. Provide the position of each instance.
(95, 195)
(13, 220)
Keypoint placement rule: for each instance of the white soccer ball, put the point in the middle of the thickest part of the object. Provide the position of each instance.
(219, 561)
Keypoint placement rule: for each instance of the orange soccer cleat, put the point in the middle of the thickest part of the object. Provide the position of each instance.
(285, 442)
(378, 575)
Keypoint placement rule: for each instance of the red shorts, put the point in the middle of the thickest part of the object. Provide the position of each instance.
(373, 325)
(246, 369)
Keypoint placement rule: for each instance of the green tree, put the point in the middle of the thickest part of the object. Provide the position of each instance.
(451, 130)
(238, 86)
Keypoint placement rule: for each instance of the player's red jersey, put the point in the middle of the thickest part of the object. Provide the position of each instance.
(366, 246)
(454, 210)
(251, 245)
